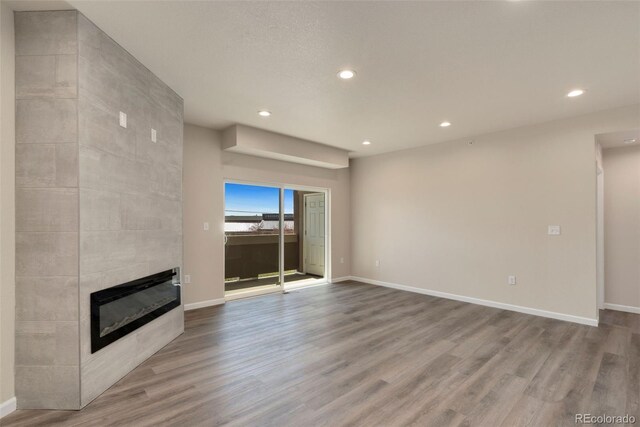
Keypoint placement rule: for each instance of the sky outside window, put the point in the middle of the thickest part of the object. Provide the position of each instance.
(247, 200)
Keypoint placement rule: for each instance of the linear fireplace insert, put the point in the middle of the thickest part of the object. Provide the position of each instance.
(120, 310)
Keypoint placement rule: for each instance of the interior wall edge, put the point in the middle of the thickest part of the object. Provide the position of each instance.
(7, 209)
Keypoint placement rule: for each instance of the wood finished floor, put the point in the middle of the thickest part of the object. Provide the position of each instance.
(360, 355)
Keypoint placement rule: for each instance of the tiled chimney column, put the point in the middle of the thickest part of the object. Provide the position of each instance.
(47, 333)
(98, 204)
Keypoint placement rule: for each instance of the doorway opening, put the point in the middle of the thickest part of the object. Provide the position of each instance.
(618, 221)
(275, 238)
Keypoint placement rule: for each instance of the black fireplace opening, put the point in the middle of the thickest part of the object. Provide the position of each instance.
(120, 310)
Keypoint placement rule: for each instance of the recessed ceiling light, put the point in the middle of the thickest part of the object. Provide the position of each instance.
(575, 92)
(346, 74)
(366, 142)
(264, 113)
(445, 124)
(630, 141)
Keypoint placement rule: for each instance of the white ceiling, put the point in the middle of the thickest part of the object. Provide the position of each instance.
(617, 139)
(484, 66)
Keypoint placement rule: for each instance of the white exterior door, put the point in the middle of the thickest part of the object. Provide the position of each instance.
(314, 219)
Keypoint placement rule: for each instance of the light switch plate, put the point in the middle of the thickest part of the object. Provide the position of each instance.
(554, 230)
(206, 226)
(154, 136)
(123, 120)
(187, 278)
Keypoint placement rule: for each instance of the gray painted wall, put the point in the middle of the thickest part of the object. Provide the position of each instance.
(471, 215)
(98, 204)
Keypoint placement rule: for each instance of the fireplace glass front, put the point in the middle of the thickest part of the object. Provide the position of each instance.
(117, 311)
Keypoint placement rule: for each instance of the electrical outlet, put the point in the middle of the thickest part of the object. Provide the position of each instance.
(206, 226)
(123, 120)
(187, 278)
(512, 280)
(154, 135)
(554, 230)
(341, 260)
(377, 263)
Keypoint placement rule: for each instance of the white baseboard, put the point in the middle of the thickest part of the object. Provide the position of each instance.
(8, 407)
(340, 279)
(488, 303)
(202, 304)
(294, 286)
(625, 308)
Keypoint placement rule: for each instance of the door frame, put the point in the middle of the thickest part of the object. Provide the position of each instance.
(282, 287)
(600, 277)
(304, 227)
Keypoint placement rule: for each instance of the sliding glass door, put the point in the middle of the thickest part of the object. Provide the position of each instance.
(273, 236)
(252, 238)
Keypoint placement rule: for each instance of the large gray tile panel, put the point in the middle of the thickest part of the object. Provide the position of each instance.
(35, 76)
(101, 210)
(46, 120)
(66, 165)
(46, 76)
(46, 254)
(98, 84)
(160, 181)
(161, 249)
(67, 344)
(88, 283)
(151, 213)
(164, 263)
(111, 78)
(160, 332)
(162, 152)
(47, 298)
(100, 170)
(98, 370)
(99, 128)
(165, 98)
(107, 250)
(133, 77)
(46, 33)
(48, 387)
(67, 76)
(47, 209)
(104, 368)
(89, 37)
(47, 343)
(125, 273)
(35, 343)
(47, 165)
(35, 165)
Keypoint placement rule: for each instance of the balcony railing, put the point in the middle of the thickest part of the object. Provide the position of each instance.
(253, 255)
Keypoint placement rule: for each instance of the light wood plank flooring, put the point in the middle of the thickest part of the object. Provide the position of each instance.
(359, 355)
